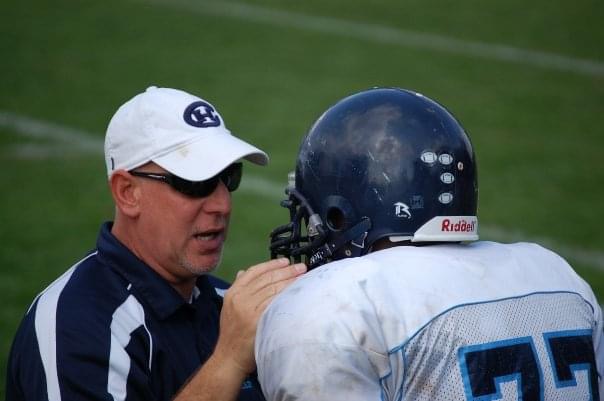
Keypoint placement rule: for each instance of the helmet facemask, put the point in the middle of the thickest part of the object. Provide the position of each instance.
(307, 238)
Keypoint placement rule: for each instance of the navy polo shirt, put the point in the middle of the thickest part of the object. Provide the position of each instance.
(110, 328)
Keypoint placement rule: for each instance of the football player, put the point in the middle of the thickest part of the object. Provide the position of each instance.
(403, 302)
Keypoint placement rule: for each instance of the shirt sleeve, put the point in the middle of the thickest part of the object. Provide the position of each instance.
(75, 354)
(24, 369)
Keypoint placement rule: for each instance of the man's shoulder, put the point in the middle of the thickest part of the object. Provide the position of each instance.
(74, 326)
(88, 291)
(79, 314)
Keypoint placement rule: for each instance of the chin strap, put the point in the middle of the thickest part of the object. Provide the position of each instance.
(355, 236)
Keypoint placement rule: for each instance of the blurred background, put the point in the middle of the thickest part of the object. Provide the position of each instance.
(525, 79)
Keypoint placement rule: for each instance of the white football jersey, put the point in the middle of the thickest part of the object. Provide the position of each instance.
(478, 321)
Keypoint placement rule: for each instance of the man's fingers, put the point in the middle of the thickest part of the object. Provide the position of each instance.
(275, 276)
(259, 276)
(266, 295)
(261, 268)
(268, 265)
(262, 305)
(260, 283)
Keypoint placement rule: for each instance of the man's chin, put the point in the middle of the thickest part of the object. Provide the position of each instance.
(199, 268)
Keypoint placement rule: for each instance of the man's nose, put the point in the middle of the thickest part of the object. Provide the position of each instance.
(218, 201)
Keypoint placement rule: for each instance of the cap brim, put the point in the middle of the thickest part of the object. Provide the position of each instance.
(206, 157)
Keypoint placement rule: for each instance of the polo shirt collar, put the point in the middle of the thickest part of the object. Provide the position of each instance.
(162, 298)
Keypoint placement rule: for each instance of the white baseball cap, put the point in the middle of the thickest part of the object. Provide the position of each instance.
(182, 133)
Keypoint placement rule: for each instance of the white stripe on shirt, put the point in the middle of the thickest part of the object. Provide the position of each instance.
(128, 317)
(46, 333)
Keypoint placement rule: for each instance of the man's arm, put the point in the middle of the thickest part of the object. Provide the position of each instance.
(221, 377)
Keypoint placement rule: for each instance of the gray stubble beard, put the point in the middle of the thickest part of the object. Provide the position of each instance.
(199, 270)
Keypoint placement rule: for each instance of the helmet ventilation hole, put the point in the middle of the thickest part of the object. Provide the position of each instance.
(335, 219)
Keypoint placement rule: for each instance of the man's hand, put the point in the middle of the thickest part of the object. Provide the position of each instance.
(244, 302)
(220, 378)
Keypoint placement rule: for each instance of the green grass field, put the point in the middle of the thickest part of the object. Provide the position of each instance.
(526, 81)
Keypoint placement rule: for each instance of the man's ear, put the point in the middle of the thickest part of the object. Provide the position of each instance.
(126, 193)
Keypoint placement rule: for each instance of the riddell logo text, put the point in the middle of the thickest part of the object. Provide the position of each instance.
(461, 226)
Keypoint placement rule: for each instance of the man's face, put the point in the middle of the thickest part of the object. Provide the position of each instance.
(182, 236)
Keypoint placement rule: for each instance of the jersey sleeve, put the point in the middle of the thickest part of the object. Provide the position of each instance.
(313, 371)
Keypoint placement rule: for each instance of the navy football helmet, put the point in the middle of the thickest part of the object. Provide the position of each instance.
(382, 163)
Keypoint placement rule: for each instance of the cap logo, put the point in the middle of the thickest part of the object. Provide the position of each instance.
(201, 115)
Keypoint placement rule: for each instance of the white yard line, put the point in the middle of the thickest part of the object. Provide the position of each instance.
(38, 129)
(62, 139)
(383, 34)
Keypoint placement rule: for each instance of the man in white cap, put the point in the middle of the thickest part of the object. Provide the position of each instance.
(137, 317)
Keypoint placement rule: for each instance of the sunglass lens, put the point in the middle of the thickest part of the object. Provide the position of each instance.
(231, 176)
(195, 189)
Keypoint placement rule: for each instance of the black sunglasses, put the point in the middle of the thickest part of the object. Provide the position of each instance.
(230, 176)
